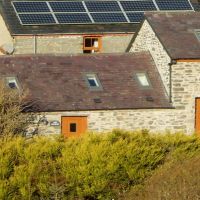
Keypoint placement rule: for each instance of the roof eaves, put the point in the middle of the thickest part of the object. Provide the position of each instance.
(98, 109)
(187, 59)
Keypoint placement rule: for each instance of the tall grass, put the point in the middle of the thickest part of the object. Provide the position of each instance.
(93, 167)
(179, 180)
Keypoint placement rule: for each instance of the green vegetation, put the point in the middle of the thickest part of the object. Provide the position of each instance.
(93, 167)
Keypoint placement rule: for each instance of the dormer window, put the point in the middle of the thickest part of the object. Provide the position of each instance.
(143, 79)
(197, 33)
(93, 82)
(12, 83)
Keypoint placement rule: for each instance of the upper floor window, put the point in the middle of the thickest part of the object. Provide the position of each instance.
(92, 44)
(93, 82)
(143, 79)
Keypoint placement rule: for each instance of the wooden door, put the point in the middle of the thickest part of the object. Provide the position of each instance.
(197, 116)
(74, 126)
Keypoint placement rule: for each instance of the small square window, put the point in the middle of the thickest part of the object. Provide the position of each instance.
(72, 127)
(93, 82)
(143, 79)
(92, 44)
(12, 82)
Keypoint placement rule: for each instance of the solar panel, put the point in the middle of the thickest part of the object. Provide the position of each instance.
(33, 19)
(31, 7)
(76, 18)
(102, 6)
(138, 5)
(91, 11)
(64, 6)
(173, 5)
(108, 17)
(135, 17)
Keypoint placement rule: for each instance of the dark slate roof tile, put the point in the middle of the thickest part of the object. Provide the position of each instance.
(175, 31)
(61, 86)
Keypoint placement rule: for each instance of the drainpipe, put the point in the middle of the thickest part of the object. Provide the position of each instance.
(173, 62)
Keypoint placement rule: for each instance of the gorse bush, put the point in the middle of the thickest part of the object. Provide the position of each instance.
(93, 167)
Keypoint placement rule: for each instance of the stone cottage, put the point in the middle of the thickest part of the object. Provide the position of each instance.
(96, 92)
(63, 27)
(173, 40)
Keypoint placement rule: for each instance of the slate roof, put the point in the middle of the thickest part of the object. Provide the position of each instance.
(196, 4)
(176, 32)
(57, 83)
(15, 28)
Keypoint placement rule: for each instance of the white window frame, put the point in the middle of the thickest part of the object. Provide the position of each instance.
(12, 79)
(94, 77)
(143, 83)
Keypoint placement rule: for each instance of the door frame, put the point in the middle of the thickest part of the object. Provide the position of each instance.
(70, 116)
(195, 115)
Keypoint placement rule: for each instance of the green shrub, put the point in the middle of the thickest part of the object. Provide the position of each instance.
(93, 167)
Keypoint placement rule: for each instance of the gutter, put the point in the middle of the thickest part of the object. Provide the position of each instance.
(188, 60)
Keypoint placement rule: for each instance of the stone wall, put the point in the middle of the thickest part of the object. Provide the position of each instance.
(66, 44)
(116, 44)
(146, 40)
(155, 120)
(185, 88)
(24, 45)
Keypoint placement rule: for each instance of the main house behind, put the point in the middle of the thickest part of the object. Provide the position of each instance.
(46, 27)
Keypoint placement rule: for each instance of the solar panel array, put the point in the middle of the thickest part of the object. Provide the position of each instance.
(91, 11)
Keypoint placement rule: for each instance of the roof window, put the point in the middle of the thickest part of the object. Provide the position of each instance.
(12, 82)
(93, 82)
(143, 79)
(197, 33)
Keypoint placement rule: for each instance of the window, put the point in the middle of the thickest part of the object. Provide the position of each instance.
(92, 44)
(93, 82)
(197, 33)
(72, 127)
(12, 82)
(143, 79)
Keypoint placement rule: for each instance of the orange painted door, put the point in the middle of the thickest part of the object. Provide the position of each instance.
(74, 126)
(197, 116)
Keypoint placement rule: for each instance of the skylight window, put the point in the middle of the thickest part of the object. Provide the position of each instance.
(93, 82)
(12, 83)
(197, 33)
(143, 79)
